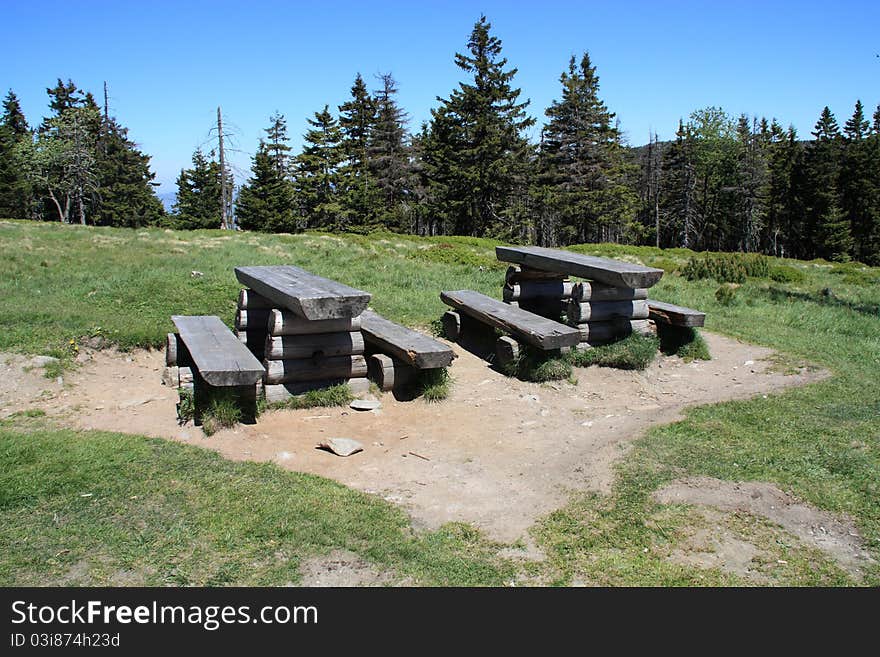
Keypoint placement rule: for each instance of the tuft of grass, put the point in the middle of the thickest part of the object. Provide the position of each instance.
(634, 352)
(338, 395)
(223, 412)
(434, 384)
(536, 365)
(682, 341)
(186, 405)
(726, 294)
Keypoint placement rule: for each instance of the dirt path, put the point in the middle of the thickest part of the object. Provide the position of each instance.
(499, 453)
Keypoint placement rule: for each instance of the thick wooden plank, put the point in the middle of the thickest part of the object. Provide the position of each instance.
(284, 322)
(586, 291)
(538, 290)
(530, 328)
(316, 345)
(516, 274)
(410, 347)
(251, 320)
(604, 270)
(218, 355)
(668, 313)
(309, 296)
(598, 311)
(317, 369)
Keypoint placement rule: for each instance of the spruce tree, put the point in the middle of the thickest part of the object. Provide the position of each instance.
(752, 183)
(265, 201)
(276, 144)
(582, 161)
(858, 185)
(476, 153)
(124, 195)
(316, 175)
(390, 159)
(15, 190)
(679, 185)
(827, 223)
(199, 201)
(358, 195)
(785, 211)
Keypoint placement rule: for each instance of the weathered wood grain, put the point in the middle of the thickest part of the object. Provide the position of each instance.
(516, 274)
(613, 330)
(314, 345)
(597, 311)
(284, 322)
(604, 270)
(586, 291)
(220, 358)
(250, 300)
(389, 373)
(408, 346)
(533, 329)
(309, 296)
(506, 351)
(668, 313)
(335, 367)
(537, 290)
(252, 320)
(451, 321)
(171, 350)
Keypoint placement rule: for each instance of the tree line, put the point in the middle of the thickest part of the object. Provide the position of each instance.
(724, 183)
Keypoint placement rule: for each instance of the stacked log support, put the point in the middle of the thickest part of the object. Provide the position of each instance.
(389, 373)
(251, 321)
(543, 293)
(301, 355)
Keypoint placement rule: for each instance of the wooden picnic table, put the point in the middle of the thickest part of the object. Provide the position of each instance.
(604, 270)
(308, 295)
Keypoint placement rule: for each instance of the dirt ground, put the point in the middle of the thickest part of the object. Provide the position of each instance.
(499, 453)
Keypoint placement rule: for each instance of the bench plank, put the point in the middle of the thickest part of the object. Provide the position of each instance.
(219, 356)
(411, 347)
(309, 296)
(533, 329)
(668, 313)
(604, 270)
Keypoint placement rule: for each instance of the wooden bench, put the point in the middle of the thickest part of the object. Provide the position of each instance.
(309, 296)
(672, 315)
(219, 360)
(604, 270)
(524, 326)
(398, 352)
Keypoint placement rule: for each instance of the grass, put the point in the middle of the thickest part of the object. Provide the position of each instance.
(533, 364)
(685, 342)
(223, 412)
(338, 395)
(634, 352)
(174, 514)
(434, 384)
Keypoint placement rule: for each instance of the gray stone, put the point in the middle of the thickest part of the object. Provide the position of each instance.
(342, 446)
(365, 405)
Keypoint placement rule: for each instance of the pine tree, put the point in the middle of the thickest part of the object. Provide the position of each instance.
(316, 176)
(476, 154)
(15, 190)
(784, 208)
(679, 185)
(125, 195)
(752, 183)
(358, 195)
(827, 223)
(265, 202)
(390, 160)
(199, 201)
(582, 161)
(858, 193)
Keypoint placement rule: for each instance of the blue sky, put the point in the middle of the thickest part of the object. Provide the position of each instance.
(170, 63)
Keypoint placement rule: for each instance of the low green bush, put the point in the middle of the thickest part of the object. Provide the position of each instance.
(726, 294)
(786, 274)
(635, 352)
(727, 267)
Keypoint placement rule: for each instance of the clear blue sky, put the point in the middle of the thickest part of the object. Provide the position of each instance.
(170, 63)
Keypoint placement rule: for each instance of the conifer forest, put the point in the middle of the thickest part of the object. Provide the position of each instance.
(724, 183)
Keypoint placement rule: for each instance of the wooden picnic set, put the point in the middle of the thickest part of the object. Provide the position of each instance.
(296, 331)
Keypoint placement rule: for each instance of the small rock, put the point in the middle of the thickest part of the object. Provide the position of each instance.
(195, 274)
(586, 424)
(59, 381)
(342, 446)
(365, 405)
(749, 362)
(42, 361)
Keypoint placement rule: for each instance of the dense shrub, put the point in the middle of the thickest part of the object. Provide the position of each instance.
(727, 267)
(786, 274)
(726, 294)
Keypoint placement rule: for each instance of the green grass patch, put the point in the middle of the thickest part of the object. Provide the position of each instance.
(634, 352)
(435, 384)
(338, 395)
(223, 412)
(97, 509)
(682, 341)
(537, 365)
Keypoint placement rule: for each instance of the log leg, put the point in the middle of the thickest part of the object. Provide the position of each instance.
(451, 325)
(506, 351)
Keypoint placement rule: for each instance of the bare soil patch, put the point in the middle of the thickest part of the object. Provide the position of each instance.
(836, 536)
(499, 453)
(343, 568)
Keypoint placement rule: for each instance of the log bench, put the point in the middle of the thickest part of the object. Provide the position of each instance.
(398, 353)
(523, 326)
(667, 313)
(219, 360)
